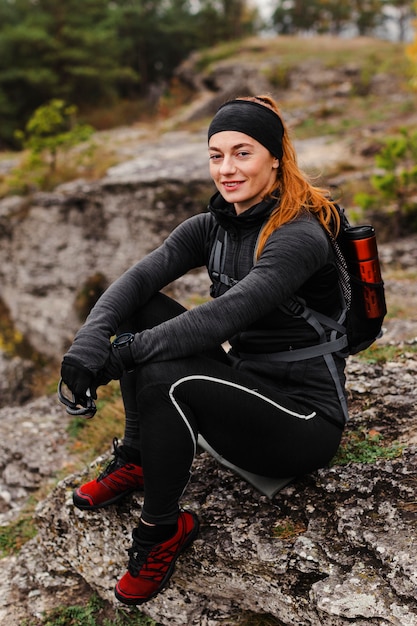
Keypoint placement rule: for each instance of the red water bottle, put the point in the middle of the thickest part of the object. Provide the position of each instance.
(362, 258)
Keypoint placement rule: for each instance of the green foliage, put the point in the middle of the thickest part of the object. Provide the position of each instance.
(51, 128)
(279, 76)
(365, 447)
(92, 614)
(54, 50)
(288, 529)
(16, 534)
(12, 341)
(94, 52)
(385, 353)
(395, 184)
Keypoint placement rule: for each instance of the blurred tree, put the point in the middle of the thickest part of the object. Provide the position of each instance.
(327, 16)
(333, 15)
(50, 49)
(404, 10)
(367, 15)
(219, 21)
(91, 52)
(295, 16)
(153, 37)
(411, 51)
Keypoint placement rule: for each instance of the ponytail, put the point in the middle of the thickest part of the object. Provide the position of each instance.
(293, 190)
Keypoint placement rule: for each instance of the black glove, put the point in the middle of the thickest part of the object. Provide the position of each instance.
(78, 378)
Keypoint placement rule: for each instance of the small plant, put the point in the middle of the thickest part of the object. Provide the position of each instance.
(50, 131)
(395, 185)
(12, 341)
(361, 446)
(52, 128)
(279, 76)
(287, 529)
(92, 614)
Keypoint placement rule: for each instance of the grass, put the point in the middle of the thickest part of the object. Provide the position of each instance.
(92, 614)
(95, 613)
(332, 52)
(16, 534)
(288, 528)
(383, 353)
(90, 438)
(361, 446)
(89, 161)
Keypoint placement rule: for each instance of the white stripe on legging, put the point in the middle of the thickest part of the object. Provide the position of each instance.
(220, 381)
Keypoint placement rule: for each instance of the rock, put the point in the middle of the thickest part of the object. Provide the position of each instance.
(15, 380)
(333, 548)
(346, 555)
(79, 231)
(32, 450)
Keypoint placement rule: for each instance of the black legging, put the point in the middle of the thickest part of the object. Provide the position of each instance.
(253, 425)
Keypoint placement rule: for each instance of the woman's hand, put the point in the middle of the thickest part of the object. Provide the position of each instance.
(78, 378)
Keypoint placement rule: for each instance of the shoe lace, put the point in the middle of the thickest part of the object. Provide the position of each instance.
(152, 561)
(115, 463)
(138, 554)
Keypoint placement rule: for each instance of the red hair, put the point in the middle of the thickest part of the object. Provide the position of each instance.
(293, 189)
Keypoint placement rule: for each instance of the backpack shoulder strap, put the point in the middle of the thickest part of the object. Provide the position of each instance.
(217, 259)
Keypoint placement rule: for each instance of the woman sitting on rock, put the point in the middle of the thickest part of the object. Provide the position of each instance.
(264, 240)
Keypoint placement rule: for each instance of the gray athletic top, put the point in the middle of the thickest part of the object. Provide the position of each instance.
(297, 259)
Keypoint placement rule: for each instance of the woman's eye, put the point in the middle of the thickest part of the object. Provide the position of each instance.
(214, 157)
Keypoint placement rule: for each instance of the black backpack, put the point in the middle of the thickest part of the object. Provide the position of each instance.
(356, 324)
(361, 283)
(360, 322)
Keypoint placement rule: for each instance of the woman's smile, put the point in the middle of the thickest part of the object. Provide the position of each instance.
(242, 169)
(232, 184)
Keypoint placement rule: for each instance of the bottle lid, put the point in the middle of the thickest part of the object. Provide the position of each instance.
(360, 232)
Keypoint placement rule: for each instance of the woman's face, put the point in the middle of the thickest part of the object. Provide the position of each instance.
(242, 169)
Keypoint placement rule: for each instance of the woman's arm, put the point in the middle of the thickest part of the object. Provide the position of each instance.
(182, 251)
(292, 254)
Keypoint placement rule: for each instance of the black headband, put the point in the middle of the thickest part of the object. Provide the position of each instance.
(253, 119)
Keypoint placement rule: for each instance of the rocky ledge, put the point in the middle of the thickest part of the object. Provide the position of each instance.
(333, 548)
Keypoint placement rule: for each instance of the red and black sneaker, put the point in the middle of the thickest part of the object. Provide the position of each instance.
(151, 566)
(119, 479)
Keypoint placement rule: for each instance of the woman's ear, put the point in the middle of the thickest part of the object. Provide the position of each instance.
(275, 164)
